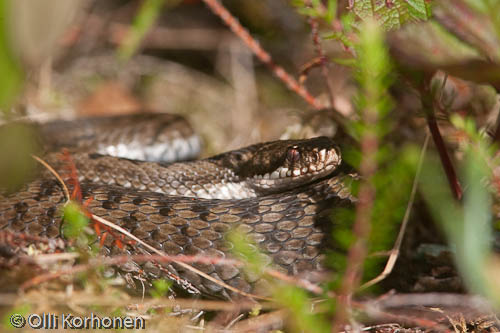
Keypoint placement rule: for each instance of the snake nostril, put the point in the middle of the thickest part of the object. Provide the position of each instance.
(293, 154)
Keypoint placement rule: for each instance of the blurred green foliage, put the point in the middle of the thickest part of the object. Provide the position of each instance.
(160, 288)
(74, 220)
(303, 317)
(143, 21)
(291, 297)
(467, 225)
(396, 164)
(23, 310)
(248, 252)
(393, 14)
(17, 165)
(11, 75)
(317, 9)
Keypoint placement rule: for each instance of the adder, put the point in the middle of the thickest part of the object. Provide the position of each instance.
(279, 193)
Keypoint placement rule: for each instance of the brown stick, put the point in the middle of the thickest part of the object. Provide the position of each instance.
(263, 56)
(319, 51)
(362, 223)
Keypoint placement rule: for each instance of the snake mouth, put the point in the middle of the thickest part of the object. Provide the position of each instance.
(299, 168)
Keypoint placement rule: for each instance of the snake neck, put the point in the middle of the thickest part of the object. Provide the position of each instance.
(258, 170)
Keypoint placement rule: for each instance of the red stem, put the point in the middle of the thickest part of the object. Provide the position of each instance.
(263, 56)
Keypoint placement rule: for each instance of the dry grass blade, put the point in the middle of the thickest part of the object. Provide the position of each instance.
(321, 55)
(54, 172)
(394, 253)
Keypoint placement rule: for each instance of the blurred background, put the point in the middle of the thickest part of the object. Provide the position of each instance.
(66, 59)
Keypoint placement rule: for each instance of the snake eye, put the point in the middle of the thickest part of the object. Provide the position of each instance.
(293, 154)
(238, 156)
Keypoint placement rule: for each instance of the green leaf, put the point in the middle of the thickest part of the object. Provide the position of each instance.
(21, 310)
(74, 220)
(297, 302)
(11, 76)
(160, 288)
(392, 14)
(248, 252)
(144, 20)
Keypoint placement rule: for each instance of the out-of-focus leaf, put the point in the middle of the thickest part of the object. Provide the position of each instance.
(74, 220)
(393, 14)
(160, 288)
(35, 27)
(17, 143)
(248, 252)
(144, 20)
(10, 72)
(142, 23)
(471, 26)
(428, 43)
(477, 71)
(297, 301)
(468, 227)
(428, 47)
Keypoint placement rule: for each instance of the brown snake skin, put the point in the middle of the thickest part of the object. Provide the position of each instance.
(289, 226)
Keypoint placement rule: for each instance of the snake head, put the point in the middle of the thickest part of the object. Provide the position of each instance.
(286, 164)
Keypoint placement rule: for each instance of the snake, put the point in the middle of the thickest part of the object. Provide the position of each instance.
(280, 194)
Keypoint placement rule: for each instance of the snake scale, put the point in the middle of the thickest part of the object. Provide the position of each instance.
(279, 193)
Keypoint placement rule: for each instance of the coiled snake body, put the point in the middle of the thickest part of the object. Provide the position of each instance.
(280, 193)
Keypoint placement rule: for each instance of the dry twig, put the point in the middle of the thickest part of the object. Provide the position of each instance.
(219, 10)
(321, 55)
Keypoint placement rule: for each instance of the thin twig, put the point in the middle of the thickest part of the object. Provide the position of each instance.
(397, 245)
(319, 51)
(432, 300)
(361, 230)
(138, 258)
(263, 56)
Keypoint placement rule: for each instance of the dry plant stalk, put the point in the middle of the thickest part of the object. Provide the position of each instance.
(321, 55)
(218, 9)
